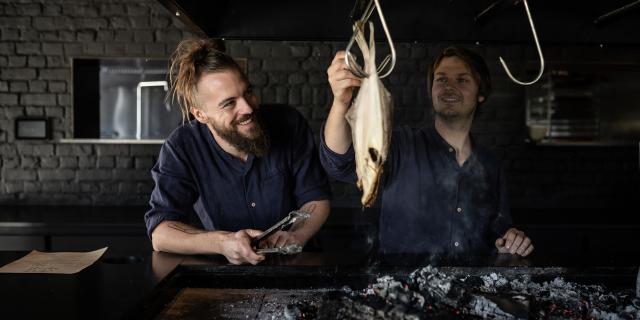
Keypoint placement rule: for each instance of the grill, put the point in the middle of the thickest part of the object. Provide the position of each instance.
(387, 292)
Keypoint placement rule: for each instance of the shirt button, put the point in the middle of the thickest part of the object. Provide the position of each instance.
(253, 204)
(459, 210)
(456, 244)
(450, 149)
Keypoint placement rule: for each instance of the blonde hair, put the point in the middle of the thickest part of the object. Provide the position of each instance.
(191, 59)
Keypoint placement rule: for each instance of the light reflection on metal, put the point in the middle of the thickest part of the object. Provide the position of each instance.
(389, 60)
(535, 37)
(142, 84)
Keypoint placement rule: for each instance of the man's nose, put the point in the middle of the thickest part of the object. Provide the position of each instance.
(244, 107)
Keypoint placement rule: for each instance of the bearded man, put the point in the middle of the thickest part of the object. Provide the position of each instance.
(240, 166)
(442, 193)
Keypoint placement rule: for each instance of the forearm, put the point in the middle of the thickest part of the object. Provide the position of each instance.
(178, 237)
(337, 132)
(319, 212)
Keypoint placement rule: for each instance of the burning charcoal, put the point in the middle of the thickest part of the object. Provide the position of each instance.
(485, 308)
(291, 312)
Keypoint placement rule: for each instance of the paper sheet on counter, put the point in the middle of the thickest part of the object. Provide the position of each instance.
(53, 262)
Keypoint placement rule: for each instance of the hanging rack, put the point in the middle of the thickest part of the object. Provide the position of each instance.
(617, 12)
(389, 60)
(535, 38)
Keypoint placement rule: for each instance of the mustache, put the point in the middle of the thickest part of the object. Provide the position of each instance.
(243, 119)
(450, 94)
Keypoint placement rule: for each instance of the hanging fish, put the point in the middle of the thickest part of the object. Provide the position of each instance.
(370, 121)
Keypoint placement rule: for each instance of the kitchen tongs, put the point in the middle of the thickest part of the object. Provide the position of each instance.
(284, 224)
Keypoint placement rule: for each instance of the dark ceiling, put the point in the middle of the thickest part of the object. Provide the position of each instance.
(557, 22)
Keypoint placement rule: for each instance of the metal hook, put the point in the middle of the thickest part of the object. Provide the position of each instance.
(535, 37)
(389, 60)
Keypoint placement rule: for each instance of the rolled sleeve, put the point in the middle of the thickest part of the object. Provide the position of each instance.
(310, 181)
(174, 193)
(339, 166)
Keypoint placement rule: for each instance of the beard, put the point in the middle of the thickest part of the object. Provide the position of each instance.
(257, 143)
(449, 107)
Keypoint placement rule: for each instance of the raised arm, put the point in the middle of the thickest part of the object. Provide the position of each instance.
(337, 133)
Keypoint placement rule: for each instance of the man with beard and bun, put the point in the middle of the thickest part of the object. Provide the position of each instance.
(241, 167)
(443, 194)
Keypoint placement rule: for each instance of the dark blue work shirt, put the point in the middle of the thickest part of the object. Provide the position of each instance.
(194, 173)
(430, 204)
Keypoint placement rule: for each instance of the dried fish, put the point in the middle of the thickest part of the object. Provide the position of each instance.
(370, 121)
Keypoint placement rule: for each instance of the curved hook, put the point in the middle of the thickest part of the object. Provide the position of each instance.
(535, 37)
(389, 60)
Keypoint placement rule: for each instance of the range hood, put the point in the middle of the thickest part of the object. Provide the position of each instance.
(564, 22)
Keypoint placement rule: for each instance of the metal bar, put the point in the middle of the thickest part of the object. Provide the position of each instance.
(390, 60)
(139, 102)
(486, 11)
(616, 12)
(535, 38)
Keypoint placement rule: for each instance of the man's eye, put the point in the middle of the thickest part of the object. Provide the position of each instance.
(228, 104)
(463, 80)
(441, 79)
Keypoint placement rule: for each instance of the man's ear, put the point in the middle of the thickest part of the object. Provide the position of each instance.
(199, 115)
(480, 99)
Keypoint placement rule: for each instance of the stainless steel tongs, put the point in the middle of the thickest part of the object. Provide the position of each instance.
(284, 224)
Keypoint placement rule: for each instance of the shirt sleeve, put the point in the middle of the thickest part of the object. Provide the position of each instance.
(339, 166)
(502, 221)
(174, 193)
(310, 181)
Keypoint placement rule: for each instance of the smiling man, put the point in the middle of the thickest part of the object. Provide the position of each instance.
(443, 194)
(240, 166)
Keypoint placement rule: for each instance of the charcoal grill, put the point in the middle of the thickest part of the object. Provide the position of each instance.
(209, 289)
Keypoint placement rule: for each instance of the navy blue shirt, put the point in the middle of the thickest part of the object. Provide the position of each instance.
(194, 173)
(431, 204)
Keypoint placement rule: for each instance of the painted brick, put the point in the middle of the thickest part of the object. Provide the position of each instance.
(112, 150)
(91, 23)
(55, 61)
(124, 162)
(13, 187)
(49, 162)
(74, 149)
(18, 174)
(86, 35)
(18, 86)
(66, 35)
(69, 162)
(131, 175)
(57, 86)
(17, 73)
(94, 174)
(89, 187)
(28, 162)
(87, 162)
(14, 21)
(106, 162)
(51, 9)
(58, 174)
(144, 163)
(17, 61)
(112, 9)
(38, 99)
(54, 74)
(145, 150)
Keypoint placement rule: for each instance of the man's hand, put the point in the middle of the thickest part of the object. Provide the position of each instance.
(514, 241)
(281, 239)
(342, 81)
(236, 247)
